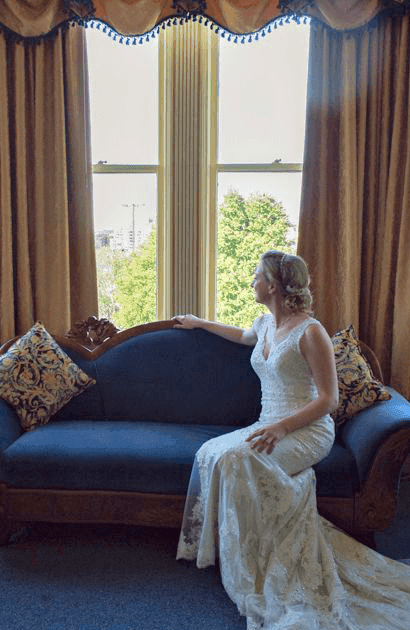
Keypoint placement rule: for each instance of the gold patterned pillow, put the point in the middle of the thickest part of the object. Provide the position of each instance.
(38, 378)
(358, 388)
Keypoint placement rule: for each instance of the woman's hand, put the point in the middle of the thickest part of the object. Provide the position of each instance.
(186, 321)
(268, 437)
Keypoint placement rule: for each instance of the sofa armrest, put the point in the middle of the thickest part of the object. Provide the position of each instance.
(379, 438)
(10, 428)
(365, 432)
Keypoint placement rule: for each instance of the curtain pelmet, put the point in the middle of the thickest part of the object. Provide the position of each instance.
(46, 236)
(39, 18)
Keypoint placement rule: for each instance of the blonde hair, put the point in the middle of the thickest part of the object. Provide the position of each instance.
(291, 274)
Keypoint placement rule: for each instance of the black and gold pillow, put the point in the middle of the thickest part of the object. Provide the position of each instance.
(358, 388)
(38, 378)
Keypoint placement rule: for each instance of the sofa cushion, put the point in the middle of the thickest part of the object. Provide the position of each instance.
(140, 457)
(358, 388)
(37, 378)
(181, 376)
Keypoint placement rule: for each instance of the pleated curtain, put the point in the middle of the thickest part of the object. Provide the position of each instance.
(48, 270)
(354, 221)
(187, 227)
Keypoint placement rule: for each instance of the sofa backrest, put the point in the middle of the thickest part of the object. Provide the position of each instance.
(172, 375)
(89, 404)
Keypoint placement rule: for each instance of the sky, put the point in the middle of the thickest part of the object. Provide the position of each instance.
(262, 98)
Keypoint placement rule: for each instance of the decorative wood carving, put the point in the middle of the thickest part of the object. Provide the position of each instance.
(92, 332)
(78, 338)
(376, 503)
(337, 510)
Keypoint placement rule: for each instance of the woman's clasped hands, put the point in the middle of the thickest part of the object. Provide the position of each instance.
(267, 437)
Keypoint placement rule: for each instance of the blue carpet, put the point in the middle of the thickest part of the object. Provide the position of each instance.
(107, 578)
(76, 577)
(395, 541)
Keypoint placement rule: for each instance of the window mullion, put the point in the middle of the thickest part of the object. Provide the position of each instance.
(275, 167)
(124, 168)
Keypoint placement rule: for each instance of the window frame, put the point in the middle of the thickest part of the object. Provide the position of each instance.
(205, 277)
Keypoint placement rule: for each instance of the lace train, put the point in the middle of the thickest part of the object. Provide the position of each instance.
(283, 565)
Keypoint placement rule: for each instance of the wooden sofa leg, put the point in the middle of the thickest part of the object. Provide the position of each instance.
(6, 528)
(366, 538)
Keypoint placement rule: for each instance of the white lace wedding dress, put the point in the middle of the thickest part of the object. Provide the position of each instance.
(284, 566)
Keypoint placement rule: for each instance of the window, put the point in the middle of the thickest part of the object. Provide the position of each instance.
(179, 123)
(124, 142)
(262, 103)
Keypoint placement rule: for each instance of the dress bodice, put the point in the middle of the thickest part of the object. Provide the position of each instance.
(286, 379)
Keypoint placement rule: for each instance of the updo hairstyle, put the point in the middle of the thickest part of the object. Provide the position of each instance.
(291, 274)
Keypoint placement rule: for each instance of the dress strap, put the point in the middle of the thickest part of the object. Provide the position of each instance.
(301, 329)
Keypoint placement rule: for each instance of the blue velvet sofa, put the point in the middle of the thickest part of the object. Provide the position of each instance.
(122, 451)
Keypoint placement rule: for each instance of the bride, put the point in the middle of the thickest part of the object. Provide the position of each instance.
(251, 500)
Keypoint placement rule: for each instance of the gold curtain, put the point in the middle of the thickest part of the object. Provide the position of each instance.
(188, 153)
(354, 224)
(46, 229)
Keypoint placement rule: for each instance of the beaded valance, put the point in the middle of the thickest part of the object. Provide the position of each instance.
(137, 20)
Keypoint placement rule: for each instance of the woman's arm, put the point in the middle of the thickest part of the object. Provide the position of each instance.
(232, 333)
(317, 349)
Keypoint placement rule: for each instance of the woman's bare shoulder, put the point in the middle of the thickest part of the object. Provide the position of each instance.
(315, 334)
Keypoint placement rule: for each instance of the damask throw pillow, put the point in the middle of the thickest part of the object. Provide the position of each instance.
(358, 388)
(38, 378)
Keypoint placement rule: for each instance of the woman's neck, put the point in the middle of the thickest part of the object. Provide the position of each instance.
(283, 317)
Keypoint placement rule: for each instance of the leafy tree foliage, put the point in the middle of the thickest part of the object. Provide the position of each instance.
(247, 228)
(106, 257)
(135, 280)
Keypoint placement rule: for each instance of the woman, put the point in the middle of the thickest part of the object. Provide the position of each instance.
(251, 499)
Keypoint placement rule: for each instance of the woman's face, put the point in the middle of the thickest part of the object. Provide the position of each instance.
(260, 285)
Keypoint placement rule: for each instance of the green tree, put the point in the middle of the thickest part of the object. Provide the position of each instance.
(135, 279)
(246, 229)
(106, 258)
